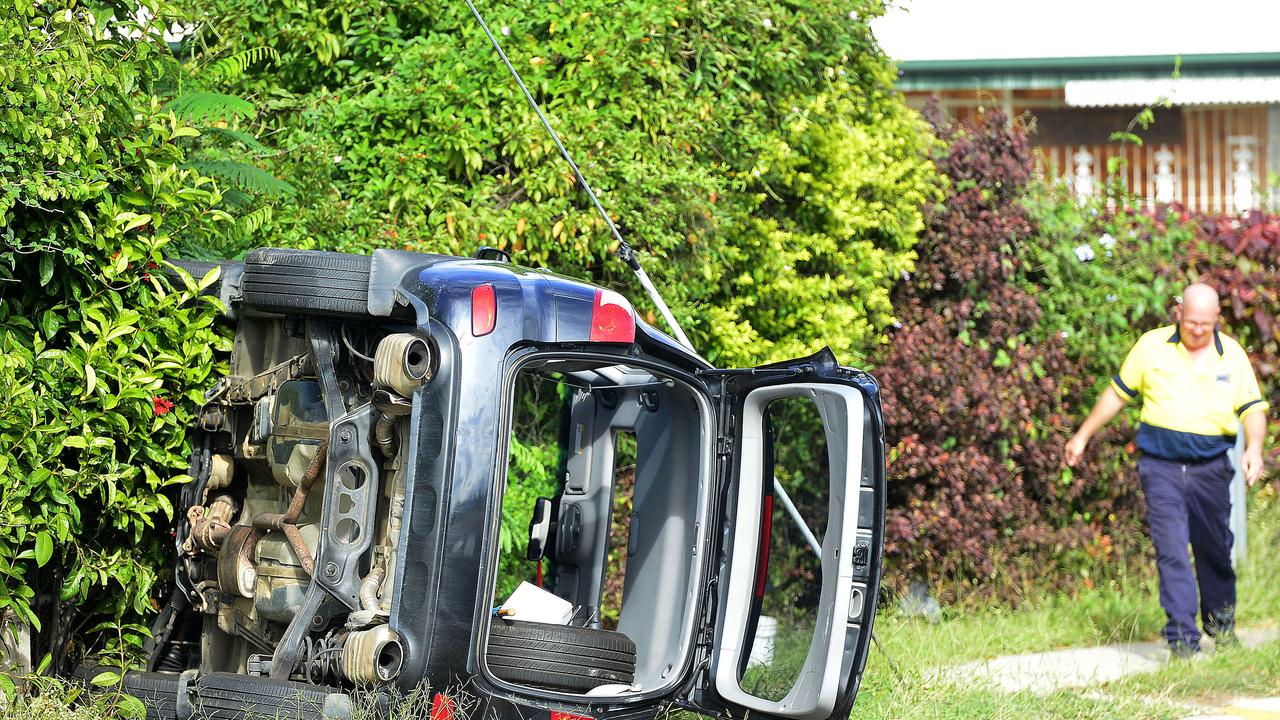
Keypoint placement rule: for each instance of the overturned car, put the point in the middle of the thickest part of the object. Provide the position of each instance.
(343, 534)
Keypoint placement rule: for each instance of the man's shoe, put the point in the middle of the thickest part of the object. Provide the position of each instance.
(1226, 641)
(1182, 651)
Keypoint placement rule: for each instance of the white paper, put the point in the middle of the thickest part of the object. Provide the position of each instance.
(531, 603)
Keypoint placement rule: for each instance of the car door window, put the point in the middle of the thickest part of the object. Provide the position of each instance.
(794, 521)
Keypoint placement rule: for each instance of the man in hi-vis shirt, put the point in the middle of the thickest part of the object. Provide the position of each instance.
(1196, 386)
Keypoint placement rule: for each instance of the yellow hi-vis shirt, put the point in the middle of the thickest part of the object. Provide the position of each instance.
(1190, 409)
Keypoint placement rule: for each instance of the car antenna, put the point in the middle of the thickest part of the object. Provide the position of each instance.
(625, 253)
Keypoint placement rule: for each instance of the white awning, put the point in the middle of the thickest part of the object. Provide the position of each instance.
(1182, 91)
(973, 29)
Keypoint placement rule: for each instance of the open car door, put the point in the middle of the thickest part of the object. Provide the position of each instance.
(802, 482)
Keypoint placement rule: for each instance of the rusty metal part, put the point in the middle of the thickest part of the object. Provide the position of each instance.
(205, 599)
(237, 571)
(246, 391)
(210, 525)
(287, 521)
(300, 548)
(384, 433)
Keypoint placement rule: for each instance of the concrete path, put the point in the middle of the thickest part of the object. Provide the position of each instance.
(1245, 709)
(1079, 667)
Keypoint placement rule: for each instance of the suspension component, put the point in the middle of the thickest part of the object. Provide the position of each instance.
(370, 656)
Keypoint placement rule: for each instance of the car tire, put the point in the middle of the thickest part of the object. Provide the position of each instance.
(230, 696)
(157, 691)
(560, 656)
(306, 281)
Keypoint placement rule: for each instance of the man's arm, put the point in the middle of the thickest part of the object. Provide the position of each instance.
(1109, 403)
(1255, 430)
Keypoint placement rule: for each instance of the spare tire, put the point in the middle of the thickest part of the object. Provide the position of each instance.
(307, 281)
(559, 656)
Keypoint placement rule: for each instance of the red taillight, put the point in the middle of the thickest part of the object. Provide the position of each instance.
(612, 319)
(484, 310)
(557, 715)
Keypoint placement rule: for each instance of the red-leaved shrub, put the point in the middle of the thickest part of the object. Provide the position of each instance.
(978, 404)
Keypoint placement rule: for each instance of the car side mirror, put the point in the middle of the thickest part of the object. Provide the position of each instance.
(488, 252)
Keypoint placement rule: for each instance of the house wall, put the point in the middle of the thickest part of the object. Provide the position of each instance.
(1201, 164)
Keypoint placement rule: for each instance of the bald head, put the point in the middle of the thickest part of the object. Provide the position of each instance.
(1198, 316)
(1200, 295)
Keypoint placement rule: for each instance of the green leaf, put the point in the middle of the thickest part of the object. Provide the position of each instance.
(210, 277)
(246, 177)
(131, 707)
(105, 679)
(49, 324)
(44, 548)
(232, 68)
(138, 221)
(46, 268)
(201, 107)
(249, 224)
(237, 136)
(7, 688)
(163, 503)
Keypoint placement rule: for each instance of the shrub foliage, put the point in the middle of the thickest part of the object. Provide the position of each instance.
(102, 361)
(979, 399)
(1024, 304)
(753, 153)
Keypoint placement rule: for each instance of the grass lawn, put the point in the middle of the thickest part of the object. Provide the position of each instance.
(1212, 679)
(898, 682)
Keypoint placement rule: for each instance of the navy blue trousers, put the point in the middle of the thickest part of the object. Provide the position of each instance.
(1191, 504)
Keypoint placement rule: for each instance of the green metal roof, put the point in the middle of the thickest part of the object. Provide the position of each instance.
(1028, 73)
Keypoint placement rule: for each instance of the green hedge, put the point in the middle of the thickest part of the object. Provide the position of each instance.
(102, 363)
(753, 152)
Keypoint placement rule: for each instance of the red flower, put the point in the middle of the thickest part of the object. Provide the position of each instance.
(160, 406)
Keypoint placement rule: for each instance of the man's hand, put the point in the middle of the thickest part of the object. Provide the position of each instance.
(1109, 403)
(1251, 463)
(1075, 449)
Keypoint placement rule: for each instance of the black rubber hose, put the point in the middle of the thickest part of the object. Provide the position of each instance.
(161, 655)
